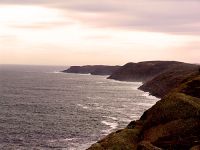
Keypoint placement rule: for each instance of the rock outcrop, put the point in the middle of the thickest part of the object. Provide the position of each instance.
(94, 70)
(172, 123)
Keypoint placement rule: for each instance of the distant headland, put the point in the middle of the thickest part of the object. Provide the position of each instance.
(92, 69)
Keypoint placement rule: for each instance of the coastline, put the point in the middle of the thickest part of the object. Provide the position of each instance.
(113, 126)
(160, 126)
(150, 131)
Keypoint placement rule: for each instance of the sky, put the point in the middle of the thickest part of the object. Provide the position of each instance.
(110, 32)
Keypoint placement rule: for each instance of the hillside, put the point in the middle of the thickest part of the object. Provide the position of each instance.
(169, 79)
(172, 123)
(94, 70)
(142, 71)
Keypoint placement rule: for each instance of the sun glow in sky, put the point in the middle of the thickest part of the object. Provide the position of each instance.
(75, 33)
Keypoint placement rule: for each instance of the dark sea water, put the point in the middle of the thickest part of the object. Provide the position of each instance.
(41, 108)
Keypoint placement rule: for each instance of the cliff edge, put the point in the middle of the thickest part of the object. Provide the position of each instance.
(172, 123)
(142, 71)
(169, 79)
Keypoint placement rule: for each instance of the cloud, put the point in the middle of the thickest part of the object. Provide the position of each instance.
(99, 37)
(8, 38)
(40, 25)
(169, 16)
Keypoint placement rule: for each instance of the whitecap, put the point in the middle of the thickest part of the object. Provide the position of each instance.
(89, 97)
(112, 125)
(82, 106)
(78, 146)
(99, 82)
(134, 87)
(113, 118)
(95, 97)
(56, 72)
(73, 143)
(70, 139)
(144, 104)
(147, 95)
(135, 117)
(63, 140)
(95, 104)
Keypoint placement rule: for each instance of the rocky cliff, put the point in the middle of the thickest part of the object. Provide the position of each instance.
(94, 70)
(169, 79)
(172, 123)
(142, 71)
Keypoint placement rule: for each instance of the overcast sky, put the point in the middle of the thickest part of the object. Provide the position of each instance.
(78, 32)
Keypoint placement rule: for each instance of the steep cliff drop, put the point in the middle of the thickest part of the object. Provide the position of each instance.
(172, 123)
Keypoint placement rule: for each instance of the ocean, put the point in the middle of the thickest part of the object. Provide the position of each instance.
(42, 108)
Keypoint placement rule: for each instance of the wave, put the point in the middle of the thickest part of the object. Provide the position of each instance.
(83, 106)
(72, 143)
(100, 82)
(112, 125)
(144, 104)
(95, 97)
(147, 95)
(55, 72)
(109, 117)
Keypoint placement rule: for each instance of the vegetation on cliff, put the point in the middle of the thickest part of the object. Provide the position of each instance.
(142, 71)
(169, 79)
(172, 123)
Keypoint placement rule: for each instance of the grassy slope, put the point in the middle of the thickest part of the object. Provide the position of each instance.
(172, 123)
(169, 79)
(142, 71)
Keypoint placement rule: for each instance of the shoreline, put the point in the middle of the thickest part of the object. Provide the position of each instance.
(141, 83)
(177, 89)
(164, 119)
(113, 125)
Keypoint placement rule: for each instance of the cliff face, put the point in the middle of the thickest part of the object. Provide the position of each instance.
(142, 71)
(94, 70)
(172, 123)
(169, 79)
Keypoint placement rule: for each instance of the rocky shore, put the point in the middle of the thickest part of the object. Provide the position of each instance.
(174, 121)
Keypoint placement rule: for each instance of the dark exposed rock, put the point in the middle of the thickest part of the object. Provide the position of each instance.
(135, 124)
(131, 125)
